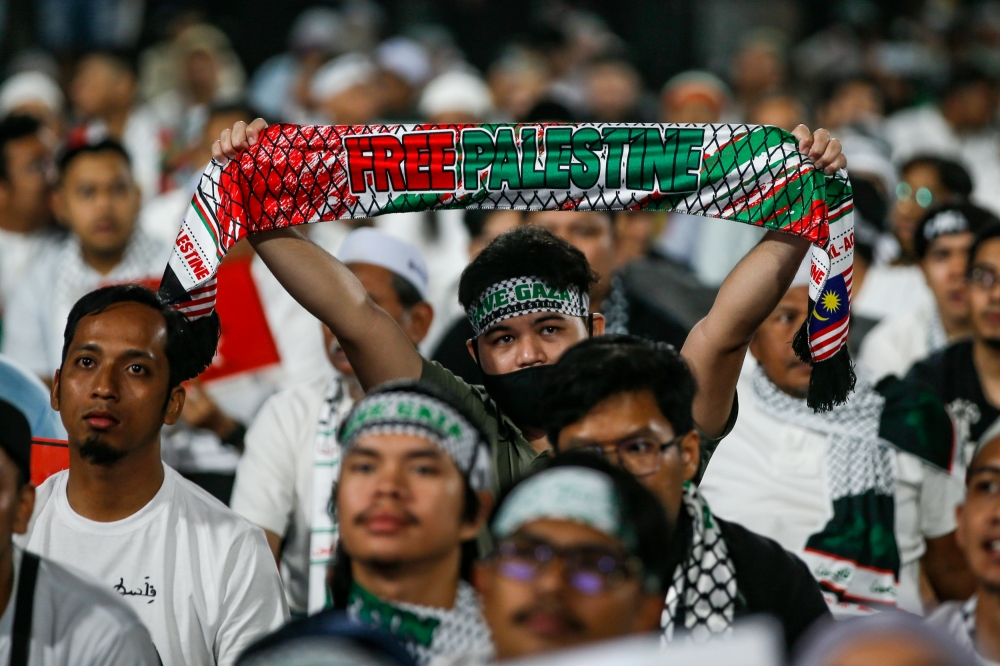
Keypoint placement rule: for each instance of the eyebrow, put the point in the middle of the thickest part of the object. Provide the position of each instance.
(430, 452)
(638, 432)
(128, 353)
(983, 469)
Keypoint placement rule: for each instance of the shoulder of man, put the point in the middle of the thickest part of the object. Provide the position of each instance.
(774, 581)
(936, 369)
(512, 453)
(915, 420)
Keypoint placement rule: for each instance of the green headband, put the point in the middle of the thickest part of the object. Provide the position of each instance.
(524, 295)
(410, 413)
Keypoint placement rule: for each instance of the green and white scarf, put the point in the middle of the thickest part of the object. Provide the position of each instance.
(701, 600)
(430, 634)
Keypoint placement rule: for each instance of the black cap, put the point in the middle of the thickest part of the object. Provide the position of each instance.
(15, 437)
(951, 218)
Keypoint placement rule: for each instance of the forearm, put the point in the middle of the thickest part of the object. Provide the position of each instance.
(378, 349)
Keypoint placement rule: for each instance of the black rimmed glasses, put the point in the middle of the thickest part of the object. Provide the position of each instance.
(641, 456)
(588, 569)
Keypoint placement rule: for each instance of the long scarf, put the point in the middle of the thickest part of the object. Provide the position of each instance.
(854, 557)
(701, 599)
(430, 634)
(326, 468)
(746, 173)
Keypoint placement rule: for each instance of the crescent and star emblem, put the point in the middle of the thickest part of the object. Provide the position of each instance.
(830, 302)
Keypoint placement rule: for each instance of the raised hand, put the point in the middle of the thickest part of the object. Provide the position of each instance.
(234, 141)
(824, 151)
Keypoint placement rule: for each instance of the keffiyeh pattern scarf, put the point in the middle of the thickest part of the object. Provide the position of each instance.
(854, 557)
(745, 173)
(701, 601)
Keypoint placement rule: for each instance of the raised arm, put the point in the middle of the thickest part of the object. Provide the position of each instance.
(378, 349)
(716, 346)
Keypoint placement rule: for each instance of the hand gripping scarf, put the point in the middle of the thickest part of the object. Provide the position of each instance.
(745, 173)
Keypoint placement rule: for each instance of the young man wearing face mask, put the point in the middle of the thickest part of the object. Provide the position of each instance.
(517, 339)
(941, 246)
(630, 400)
(412, 495)
(862, 493)
(609, 537)
(292, 455)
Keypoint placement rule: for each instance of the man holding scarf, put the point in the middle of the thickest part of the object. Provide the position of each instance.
(515, 343)
(630, 400)
(292, 456)
(862, 493)
(412, 495)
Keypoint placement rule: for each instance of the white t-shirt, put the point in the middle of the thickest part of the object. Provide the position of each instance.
(18, 252)
(35, 319)
(899, 341)
(769, 476)
(274, 479)
(958, 619)
(76, 622)
(891, 290)
(200, 577)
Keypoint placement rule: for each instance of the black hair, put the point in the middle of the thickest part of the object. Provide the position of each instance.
(13, 128)
(123, 59)
(103, 146)
(835, 86)
(964, 77)
(475, 219)
(608, 365)
(525, 251)
(341, 577)
(985, 234)
(953, 176)
(190, 344)
(241, 107)
(978, 218)
(641, 511)
(406, 291)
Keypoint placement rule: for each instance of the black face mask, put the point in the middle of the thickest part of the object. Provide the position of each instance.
(519, 394)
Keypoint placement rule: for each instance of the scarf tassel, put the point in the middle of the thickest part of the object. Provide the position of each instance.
(832, 380)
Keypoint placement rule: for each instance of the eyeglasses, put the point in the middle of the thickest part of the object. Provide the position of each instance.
(590, 570)
(983, 278)
(641, 456)
(923, 196)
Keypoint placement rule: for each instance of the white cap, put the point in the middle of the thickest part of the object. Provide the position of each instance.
(405, 58)
(341, 74)
(28, 88)
(371, 246)
(319, 28)
(456, 91)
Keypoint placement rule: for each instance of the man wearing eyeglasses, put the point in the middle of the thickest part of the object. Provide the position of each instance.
(580, 556)
(966, 375)
(630, 400)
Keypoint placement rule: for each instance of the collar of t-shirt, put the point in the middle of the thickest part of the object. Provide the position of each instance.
(140, 518)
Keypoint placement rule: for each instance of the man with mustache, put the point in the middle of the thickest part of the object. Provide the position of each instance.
(862, 493)
(292, 456)
(412, 496)
(199, 577)
(973, 623)
(580, 556)
(548, 282)
(629, 400)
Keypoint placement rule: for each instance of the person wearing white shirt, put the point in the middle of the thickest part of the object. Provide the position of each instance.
(941, 244)
(862, 493)
(97, 199)
(50, 616)
(285, 477)
(199, 576)
(25, 165)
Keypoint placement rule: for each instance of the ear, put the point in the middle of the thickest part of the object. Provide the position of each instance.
(54, 394)
(598, 323)
(960, 526)
(175, 405)
(472, 350)
(25, 507)
(472, 530)
(418, 321)
(691, 454)
(754, 347)
(650, 611)
(482, 577)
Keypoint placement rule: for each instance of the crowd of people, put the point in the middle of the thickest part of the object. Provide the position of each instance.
(364, 456)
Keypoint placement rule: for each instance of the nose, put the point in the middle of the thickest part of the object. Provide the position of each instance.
(530, 352)
(390, 481)
(105, 385)
(551, 577)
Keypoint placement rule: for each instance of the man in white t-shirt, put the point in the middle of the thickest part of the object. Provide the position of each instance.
(199, 576)
(98, 200)
(861, 493)
(973, 623)
(61, 618)
(285, 476)
(941, 245)
(25, 170)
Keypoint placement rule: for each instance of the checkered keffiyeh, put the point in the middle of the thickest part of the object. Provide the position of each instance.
(746, 173)
(524, 295)
(701, 601)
